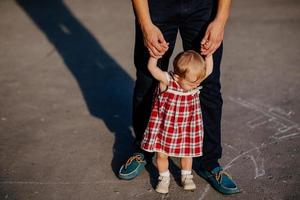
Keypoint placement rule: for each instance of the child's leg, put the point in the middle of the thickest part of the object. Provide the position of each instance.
(164, 174)
(186, 163)
(186, 173)
(162, 162)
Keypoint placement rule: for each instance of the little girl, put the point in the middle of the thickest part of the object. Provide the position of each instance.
(175, 126)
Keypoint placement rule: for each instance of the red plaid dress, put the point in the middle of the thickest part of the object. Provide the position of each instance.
(175, 126)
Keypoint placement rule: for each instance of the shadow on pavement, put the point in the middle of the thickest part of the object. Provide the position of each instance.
(106, 87)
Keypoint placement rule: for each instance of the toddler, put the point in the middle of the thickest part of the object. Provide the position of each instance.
(175, 127)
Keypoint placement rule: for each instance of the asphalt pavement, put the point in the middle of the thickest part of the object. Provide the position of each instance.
(66, 81)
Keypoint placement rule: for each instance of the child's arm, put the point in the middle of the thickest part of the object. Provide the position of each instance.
(209, 65)
(156, 72)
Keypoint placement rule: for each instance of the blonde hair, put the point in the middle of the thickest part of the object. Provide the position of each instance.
(189, 62)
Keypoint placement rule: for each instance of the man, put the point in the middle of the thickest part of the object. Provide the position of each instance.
(201, 25)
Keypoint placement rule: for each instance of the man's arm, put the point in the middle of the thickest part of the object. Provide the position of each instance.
(153, 38)
(215, 31)
(141, 9)
(223, 11)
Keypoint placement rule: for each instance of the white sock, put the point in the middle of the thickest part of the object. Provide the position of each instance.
(166, 173)
(186, 172)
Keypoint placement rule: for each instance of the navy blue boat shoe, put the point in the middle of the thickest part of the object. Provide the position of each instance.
(219, 180)
(133, 167)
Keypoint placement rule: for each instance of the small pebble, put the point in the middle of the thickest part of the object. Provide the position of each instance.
(117, 192)
(3, 118)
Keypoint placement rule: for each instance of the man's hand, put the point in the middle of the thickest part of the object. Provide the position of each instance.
(213, 38)
(154, 41)
(153, 38)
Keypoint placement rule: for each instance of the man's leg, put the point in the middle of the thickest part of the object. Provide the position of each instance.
(211, 106)
(143, 92)
(145, 83)
(192, 30)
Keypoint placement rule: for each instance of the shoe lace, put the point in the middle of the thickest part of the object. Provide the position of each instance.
(219, 174)
(162, 180)
(132, 158)
(188, 178)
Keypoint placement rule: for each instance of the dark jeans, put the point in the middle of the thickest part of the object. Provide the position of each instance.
(191, 18)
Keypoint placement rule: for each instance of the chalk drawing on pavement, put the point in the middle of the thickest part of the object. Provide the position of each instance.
(274, 117)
